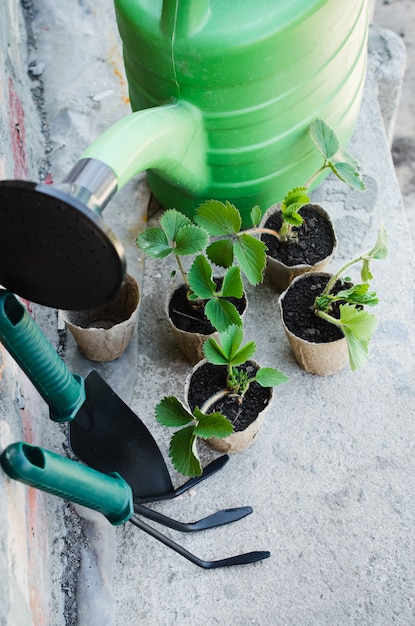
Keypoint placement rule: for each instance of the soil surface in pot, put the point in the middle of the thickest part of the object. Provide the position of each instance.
(298, 313)
(190, 315)
(208, 379)
(315, 239)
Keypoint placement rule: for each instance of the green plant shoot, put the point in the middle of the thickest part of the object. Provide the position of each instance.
(224, 220)
(192, 426)
(335, 158)
(177, 235)
(201, 424)
(356, 324)
(229, 351)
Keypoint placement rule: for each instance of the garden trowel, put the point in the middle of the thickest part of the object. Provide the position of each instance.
(103, 431)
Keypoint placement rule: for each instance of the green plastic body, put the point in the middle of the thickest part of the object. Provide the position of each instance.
(107, 493)
(253, 76)
(63, 391)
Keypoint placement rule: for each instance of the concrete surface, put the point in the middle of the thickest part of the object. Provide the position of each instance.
(399, 16)
(330, 475)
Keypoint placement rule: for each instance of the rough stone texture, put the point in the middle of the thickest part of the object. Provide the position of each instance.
(387, 57)
(31, 569)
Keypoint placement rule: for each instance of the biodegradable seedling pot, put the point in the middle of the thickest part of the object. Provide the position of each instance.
(317, 243)
(190, 326)
(326, 318)
(312, 352)
(103, 333)
(205, 380)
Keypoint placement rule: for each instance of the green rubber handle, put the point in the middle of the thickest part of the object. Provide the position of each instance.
(63, 391)
(107, 493)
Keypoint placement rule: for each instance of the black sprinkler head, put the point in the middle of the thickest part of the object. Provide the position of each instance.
(55, 250)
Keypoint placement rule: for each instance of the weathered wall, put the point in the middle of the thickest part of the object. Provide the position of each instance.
(30, 590)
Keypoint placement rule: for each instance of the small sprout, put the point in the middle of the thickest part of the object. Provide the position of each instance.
(229, 351)
(356, 324)
(179, 236)
(335, 158)
(201, 424)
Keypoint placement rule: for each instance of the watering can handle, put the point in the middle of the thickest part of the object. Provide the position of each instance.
(107, 493)
(22, 337)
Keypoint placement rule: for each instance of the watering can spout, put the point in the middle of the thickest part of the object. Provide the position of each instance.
(83, 264)
(168, 139)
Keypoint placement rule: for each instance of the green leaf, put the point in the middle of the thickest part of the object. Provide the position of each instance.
(365, 272)
(218, 218)
(170, 412)
(230, 340)
(256, 215)
(183, 452)
(172, 221)
(381, 248)
(232, 286)
(190, 239)
(251, 256)
(348, 174)
(200, 278)
(292, 216)
(212, 425)
(358, 350)
(295, 199)
(243, 354)
(358, 321)
(359, 294)
(214, 352)
(343, 156)
(153, 242)
(221, 252)
(222, 314)
(324, 138)
(270, 377)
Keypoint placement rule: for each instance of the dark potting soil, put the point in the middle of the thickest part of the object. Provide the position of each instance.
(315, 239)
(298, 313)
(208, 379)
(190, 315)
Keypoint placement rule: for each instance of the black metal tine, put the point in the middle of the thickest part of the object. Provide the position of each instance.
(209, 470)
(240, 559)
(225, 516)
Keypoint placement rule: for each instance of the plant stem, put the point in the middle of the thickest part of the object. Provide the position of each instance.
(316, 174)
(217, 396)
(328, 318)
(182, 271)
(339, 272)
(267, 231)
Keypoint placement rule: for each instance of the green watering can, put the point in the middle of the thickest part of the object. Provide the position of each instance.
(223, 94)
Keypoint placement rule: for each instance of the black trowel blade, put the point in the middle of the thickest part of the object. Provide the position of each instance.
(108, 436)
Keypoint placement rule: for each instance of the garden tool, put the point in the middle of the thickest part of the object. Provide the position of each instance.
(103, 431)
(222, 95)
(109, 494)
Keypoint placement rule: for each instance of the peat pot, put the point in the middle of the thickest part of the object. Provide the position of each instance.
(189, 324)
(317, 243)
(103, 333)
(318, 346)
(205, 380)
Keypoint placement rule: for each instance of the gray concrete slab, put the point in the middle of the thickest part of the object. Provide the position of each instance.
(330, 475)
